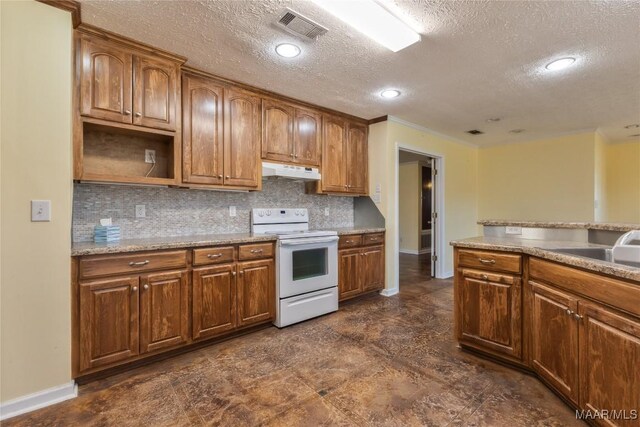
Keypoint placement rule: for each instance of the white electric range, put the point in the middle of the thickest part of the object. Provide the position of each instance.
(306, 264)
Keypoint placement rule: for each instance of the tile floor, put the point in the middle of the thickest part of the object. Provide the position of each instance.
(378, 361)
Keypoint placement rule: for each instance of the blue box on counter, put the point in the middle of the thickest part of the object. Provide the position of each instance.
(106, 234)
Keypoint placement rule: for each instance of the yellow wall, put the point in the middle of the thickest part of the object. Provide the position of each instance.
(600, 178)
(409, 205)
(547, 180)
(460, 173)
(35, 163)
(622, 182)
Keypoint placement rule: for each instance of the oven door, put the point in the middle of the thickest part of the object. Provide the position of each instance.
(307, 265)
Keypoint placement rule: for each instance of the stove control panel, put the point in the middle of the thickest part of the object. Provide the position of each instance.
(279, 216)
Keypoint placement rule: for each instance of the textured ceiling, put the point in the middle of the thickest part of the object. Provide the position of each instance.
(476, 60)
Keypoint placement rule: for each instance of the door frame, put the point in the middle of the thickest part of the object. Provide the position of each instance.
(439, 245)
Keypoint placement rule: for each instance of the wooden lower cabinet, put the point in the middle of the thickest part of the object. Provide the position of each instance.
(108, 321)
(609, 363)
(164, 310)
(554, 339)
(214, 300)
(360, 264)
(349, 280)
(256, 297)
(491, 312)
(372, 268)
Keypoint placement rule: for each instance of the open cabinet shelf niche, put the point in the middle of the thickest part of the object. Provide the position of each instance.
(118, 155)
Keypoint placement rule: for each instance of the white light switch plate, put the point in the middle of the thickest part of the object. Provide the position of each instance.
(326, 211)
(141, 211)
(40, 210)
(232, 211)
(513, 230)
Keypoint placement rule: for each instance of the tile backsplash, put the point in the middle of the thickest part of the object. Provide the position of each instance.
(178, 212)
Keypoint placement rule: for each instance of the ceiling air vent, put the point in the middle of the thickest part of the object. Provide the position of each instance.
(475, 132)
(299, 25)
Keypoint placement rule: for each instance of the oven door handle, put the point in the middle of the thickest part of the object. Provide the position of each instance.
(305, 241)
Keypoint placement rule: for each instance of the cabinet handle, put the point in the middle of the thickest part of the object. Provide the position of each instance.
(135, 288)
(220, 176)
(138, 114)
(346, 186)
(139, 263)
(214, 256)
(227, 177)
(348, 241)
(241, 273)
(578, 317)
(233, 273)
(362, 254)
(256, 251)
(487, 261)
(296, 156)
(485, 277)
(145, 287)
(127, 112)
(569, 312)
(291, 154)
(373, 239)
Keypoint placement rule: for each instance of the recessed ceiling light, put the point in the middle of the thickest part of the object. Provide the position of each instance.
(634, 135)
(560, 64)
(516, 130)
(373, 20)
(390, 93)
(288, 50)
(493, 120)
(634, 126)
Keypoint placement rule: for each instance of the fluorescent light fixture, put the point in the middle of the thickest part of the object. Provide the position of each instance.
(560, 64)
(288, 50)
(374, 20)
(390, 93)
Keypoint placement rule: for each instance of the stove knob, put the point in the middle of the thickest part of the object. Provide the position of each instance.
(260, 213)
(268, 212)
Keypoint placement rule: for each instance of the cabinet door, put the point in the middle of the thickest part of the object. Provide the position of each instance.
(356, 159)
(106, 81)
(256, 292)
(277, 131)
(241, 139)
(372, 268)
(214, 300)
(108, 321)
(334, 177)
(202, 136)
(155, 90)
(164, 315)
(554, 339)
(349, 273)
(491, 313)
(307, 137)
(609, 362)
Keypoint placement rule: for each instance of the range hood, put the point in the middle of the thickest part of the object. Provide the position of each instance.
(299, 173)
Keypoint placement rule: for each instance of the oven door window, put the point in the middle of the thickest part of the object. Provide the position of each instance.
(309, 263)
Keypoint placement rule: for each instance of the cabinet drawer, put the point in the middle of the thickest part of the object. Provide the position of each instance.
(126, 264)
(217, 255)
(259, 250)
(490, 260)
(373, 239)
(491, 277)
(350, 241)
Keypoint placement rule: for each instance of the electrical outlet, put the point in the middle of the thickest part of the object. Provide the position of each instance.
(513, 230)
(149, 156)
(232, 211)
(326, 211)
(40, 210)
(141, 211)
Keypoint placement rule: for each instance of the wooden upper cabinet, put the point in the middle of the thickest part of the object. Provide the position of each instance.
(164, 310)
(307, 137)
(242, 134)
(356, 158)
(334, 172)
(105, 81)
(155, 91)
(609, 361)
(108, 321)
(277, 131)
(202, 135)
(256, 292)
(491, 312)
(554, 338)
(214, 300)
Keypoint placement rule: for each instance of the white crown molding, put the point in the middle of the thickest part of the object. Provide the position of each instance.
(429, 131)
(37, 400)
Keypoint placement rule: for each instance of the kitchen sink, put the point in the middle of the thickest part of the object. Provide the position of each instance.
(602, 254)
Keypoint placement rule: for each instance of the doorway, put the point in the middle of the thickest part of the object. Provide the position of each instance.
(416, 216)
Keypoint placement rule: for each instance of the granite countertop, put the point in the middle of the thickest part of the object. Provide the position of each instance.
(542, 249)
(178, 242)
(610, 226)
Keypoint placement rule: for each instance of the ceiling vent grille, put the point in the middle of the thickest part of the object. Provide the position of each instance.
(298, 25)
